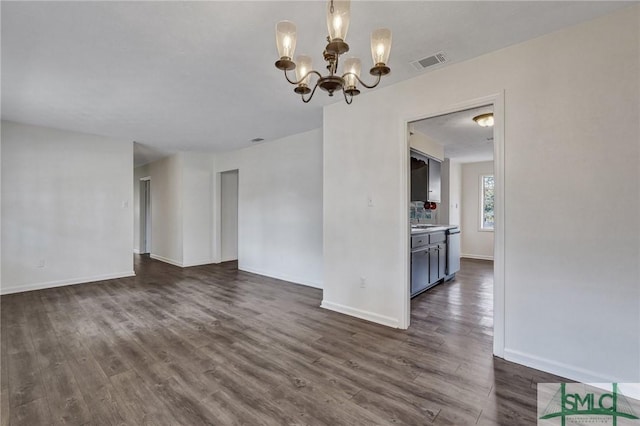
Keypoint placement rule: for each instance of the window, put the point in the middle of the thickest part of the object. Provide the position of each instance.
(487, 186)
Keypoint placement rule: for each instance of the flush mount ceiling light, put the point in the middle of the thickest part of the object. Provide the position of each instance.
(338, 15)
(484, 120)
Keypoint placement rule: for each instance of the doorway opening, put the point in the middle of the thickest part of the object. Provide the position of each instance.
(229, 181)
(470, 164)
(145, 215)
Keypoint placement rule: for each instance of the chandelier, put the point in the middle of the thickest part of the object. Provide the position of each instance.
(338, 15)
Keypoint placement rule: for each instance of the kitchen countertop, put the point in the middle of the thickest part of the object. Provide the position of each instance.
(431, 228)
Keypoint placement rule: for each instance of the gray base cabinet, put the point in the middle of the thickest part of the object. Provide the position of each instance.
(428, 262)
(433, 264)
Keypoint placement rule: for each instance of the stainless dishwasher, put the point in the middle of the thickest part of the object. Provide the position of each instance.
(453, 252)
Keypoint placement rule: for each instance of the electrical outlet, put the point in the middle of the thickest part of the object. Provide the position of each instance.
(363, 282)
(370, 201)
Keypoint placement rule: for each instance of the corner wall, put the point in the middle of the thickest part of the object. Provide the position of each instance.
(197, 209)
(571, 137)
(451, 193)
(166, 210)
(280, 207)
(66, 207)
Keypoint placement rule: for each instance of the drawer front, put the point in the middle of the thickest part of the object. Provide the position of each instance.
(437, 237)
(419, 240)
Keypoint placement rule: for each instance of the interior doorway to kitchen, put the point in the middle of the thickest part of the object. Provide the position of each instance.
(461, 143)
(229, 181)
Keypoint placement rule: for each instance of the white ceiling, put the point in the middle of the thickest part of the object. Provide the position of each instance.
(200, 76)
(464, 141)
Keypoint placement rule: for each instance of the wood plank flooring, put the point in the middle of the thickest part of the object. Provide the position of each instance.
(212, 345)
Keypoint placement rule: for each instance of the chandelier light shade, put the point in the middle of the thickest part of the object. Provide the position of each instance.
(338, 18)
(286, 43)
(304, 65)
(484, 120)
(352, 67)
(380, 46)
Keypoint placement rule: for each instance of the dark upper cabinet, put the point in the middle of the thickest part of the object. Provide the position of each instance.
(419, 179)
(425, 178)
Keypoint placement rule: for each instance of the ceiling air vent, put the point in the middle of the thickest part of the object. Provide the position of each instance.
(430, 61)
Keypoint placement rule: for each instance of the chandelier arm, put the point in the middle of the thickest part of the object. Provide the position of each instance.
(311, 95)
(302, 79)
(362, 82)
(349, 99)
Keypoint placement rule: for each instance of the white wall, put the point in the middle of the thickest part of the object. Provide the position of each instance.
(182, 209)
(475, 244)
(451, 193)
(166, 209)
(229, 216)
(455, 193)
(66, 207)
(197, 209)
(571, 136)
(280, 207)
(138, 173)
(1, 210)
(443, 207)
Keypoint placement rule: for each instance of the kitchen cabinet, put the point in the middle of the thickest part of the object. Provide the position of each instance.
(442, 261)
(434, 182)
(426, 179)
(428, 260)
(434, 252)
(419, 271)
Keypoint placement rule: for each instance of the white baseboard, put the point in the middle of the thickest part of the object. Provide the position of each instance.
(62, 283)
(180, 264)
(559, 368)
(284, 277)
(166, 260)
(136, 251)
(198, 263)
(358, 313)
(476, 256)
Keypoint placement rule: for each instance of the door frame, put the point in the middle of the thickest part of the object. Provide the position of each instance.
(497, 100)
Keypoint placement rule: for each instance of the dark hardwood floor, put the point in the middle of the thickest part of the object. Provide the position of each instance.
(214, 345)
